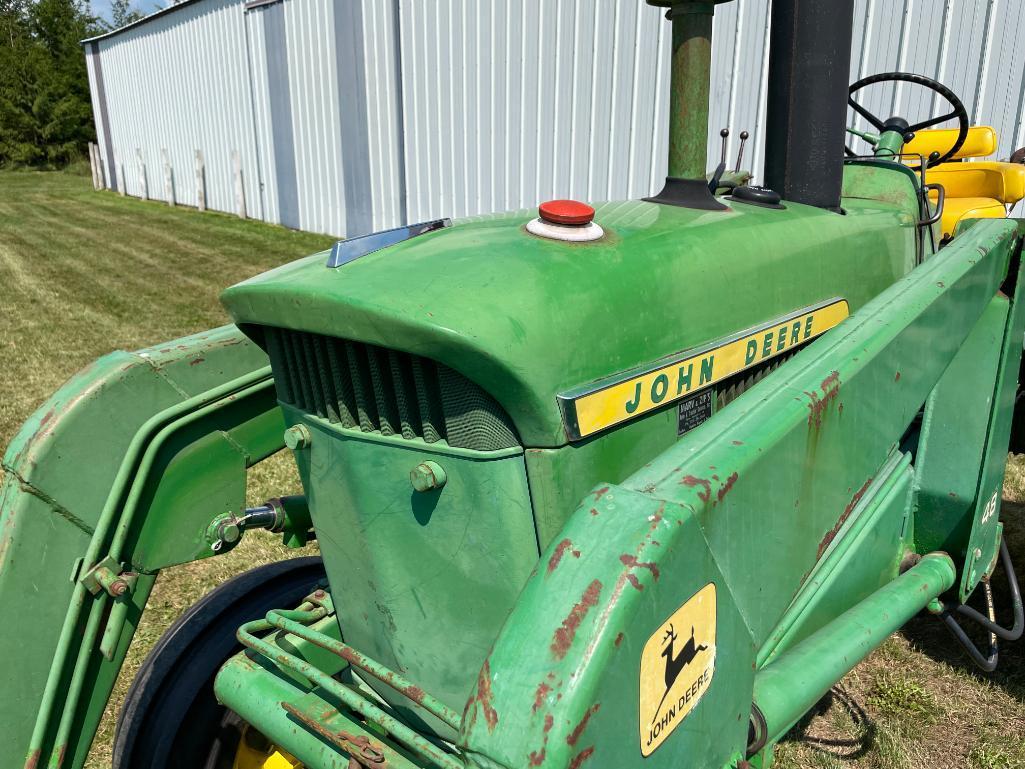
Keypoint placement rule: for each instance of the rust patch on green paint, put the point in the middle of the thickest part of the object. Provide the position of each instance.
(574, 736)
(831, 534)
(580, 757)
(560, 551)
(484, 696)
(565, 634)
(539, 696)
(727, 486)
(537, 757)
(691, 481)
(818, 404)
(632, 562)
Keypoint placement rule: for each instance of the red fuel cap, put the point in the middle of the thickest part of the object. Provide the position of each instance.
(571, 212)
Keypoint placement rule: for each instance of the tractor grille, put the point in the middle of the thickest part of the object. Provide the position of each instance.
(733, 387)
(382, 391)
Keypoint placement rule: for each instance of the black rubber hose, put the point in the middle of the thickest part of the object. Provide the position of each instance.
(1019, 614)
(987, 662)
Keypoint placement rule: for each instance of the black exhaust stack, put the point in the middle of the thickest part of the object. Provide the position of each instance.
(809, 72)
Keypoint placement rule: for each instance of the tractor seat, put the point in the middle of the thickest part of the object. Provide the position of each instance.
(976, 189)
(981, 142)
(956, 209)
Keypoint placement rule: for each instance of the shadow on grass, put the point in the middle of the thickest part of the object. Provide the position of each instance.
(926, 634)
(842, 748)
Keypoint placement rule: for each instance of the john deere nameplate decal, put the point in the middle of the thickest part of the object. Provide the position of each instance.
(626, 396)
(677, 666)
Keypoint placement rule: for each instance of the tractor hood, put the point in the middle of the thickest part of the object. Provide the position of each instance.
(528, 318)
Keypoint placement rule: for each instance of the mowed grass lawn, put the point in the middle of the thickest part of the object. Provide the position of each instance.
(84, 273)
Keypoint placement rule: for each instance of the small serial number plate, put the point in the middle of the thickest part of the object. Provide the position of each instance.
(693, 411)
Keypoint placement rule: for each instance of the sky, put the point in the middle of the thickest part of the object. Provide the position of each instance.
(102, 7)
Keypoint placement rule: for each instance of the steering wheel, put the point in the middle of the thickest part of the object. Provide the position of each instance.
(899, 124)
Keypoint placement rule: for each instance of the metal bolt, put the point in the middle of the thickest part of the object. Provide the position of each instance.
(230, 532)
(297, 437)
(977, 552)
(118, 588)
(427, 476)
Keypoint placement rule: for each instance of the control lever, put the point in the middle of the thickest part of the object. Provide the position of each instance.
(713, 183)
(724, 133)
(740, 153)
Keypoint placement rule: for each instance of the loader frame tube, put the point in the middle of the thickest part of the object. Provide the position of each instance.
(787, 687)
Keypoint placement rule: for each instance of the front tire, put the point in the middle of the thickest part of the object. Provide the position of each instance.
(170, 717)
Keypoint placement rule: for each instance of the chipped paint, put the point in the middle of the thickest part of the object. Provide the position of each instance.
(603, 619)
(727, 486)
(580, 757)
(578, 730)
(819, 404)
(539, 696)
(560, 550)
(484, 696)
(831, 534)
(537, 757)
(565, 633)
(631, 562)
(691, 481)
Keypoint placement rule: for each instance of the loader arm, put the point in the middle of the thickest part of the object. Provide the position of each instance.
(734, 538)
(123, 468)
(677, 613)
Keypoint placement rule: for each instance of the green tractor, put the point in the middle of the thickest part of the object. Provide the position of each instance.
(622, 486)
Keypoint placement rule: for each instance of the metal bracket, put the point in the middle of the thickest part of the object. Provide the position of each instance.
(106, 575)
(988, 661)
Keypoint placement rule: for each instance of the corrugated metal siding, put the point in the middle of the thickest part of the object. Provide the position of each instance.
(178, 83)
(358, 116)
(509, 104)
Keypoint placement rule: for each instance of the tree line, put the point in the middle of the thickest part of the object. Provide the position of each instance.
(46, 116)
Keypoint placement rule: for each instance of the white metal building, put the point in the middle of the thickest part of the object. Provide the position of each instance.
(348, 116)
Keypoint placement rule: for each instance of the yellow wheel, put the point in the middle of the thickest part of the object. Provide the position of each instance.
(257, 752)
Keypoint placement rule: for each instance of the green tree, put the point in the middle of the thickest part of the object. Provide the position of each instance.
(45, 108)
(123, 13)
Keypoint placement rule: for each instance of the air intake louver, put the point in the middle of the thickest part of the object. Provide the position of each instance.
(382, 391)
(733, 387)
